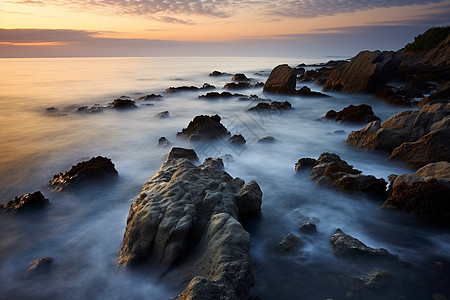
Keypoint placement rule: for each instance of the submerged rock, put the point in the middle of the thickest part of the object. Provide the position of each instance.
(354, 114)
(122, 104)
(189, 88)
(163, 142)
(266, 140)
(40, 266)
(186, 221)
(204, 128)
(274, 106)
(308, 228)
(282, 80)
(94, 170)
(306, 91)
(151, 97)
(217, 95)
(25, 202)
(236, 85)
(289, 245)
(163, 114)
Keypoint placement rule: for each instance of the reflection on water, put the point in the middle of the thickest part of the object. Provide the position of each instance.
(82, 230)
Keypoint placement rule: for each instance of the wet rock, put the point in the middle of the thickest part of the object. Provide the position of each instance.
(306, 92)
(40, 266)
(25, 202)
(236, 85)
(253, 97)
(308, 228)
(94, 170)
(329, 170)
(393, 97)
(163, 142)
(423, 194)
(237, 140)
(282, 80)
(151, 97)
(318, 76)
(346, 246)
(204, 128)
(217, 95)
(205, 86)
(240, 78)
(93, 109)
(300, 72)
(202, 288)
(442, 95)
(189, 154)
(122, 104)
(367, 72)
(185, 221)
(289, 245)
(217, 73)
(266, 140)
(259, 84)
(249, 199)
(353, 114)
(272, 106)
(305, 164)
(163, 114)
(376, 280)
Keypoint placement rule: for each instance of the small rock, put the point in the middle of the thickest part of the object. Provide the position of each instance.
(217, 73)
(189, 154)
(306, 91)
(240, 78)
(308, 228)
(122, 104)
(273, 106)
(151, 97)
(237, 140)
(354, 114)
(236, 86)
(40, 266)
(289, 245)
(25, 202)
(163, 114)
(217, 95)
(305, 164)
(163, 142)
(266, 140)
(249, 199)
(204, 128)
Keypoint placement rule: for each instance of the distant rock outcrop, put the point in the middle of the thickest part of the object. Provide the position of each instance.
(204, 128)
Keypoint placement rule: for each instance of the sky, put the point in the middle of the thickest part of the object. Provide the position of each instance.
(289, 28)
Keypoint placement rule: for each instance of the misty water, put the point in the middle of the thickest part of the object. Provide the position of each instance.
(83, 229)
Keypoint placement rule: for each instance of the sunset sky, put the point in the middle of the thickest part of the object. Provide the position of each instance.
(33, 28)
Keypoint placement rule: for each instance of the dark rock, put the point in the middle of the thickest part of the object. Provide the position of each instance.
(205, 86)
(41, 266)
(300, 72)
(236, 86)
(346, 246)
(240, 78)
(204, 128)
(416, 88)
(217, 73)
(275, 106)
(237, 140)
(216, 163)
(308, 228)
(188, 154)
(367, 72)
(253, 97)
(25, 202)
(306, 91)
(163, 142)
(392, 97)
(122, 104)
(185, 223)
(282, 80)
(339, 132)
(163, 114)
(305, 164)
(376, 280)
(249, 200)
(96, 169)
(354, 114)
(151, 97)
(96, 108)
(259, 84)
(266, 140)
(217, 95)
(289, 245)
(442, 95)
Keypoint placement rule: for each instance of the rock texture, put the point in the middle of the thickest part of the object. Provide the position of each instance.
(217, 95)
(282, 80)
(122, 104)
(186, 221)
(423, 194)
(290, 244)
(40, 266)
(240, 77)
(94, 170)
(25, 202)
(272, 106)
(353, 114)
(206, 86)
(204, 128)
(237, 140)
(329, 170)
(367, 72)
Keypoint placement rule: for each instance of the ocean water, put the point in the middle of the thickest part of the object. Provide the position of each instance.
(82, 230)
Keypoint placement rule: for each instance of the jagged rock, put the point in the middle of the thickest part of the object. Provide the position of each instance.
(237, 139)
(204, 128)
(308, 228)
(240, 77)
(122, 104)
(249, 199)
(25, 202)
(442, 95)
(275, 106)
(216, 95)
(289, 245)
(354, 114)
(282, 80)
(203, 289)
(163, 142)
(305, 164)
(266, 140)
(98, 109)
(186, 222)
(151, 97)
(188, 154)
(318, 76)
(423, 194)
(94, 170)
(40, 266)
(367, 72)
(306, 91)
(346, 246)
(330, 170)
(205, 86)
(163, 114)
(236, 85)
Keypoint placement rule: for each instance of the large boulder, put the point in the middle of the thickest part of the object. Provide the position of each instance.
(423, 194)
(185, 221)
(92, 171)
(25, 202)
(354, 114)
(282, 80)
(367, 72)
(204, 128)
(330, 170)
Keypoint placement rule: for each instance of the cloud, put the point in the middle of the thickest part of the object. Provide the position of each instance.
(45, 35)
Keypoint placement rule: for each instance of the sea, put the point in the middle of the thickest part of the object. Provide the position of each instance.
(82, 229)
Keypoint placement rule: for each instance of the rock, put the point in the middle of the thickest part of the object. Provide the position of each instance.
(289, 245)
(392, 97)
(266, 140)
(300, 72)
(416, 87)
(354, 114)
(329, 170)
(122, 104)
(249, 199)
(237, 140)
(216, 95)
(40, 266)
(318, 76)
(442, 95)
(188, 154)
(217, 73)
(376, 280)
(431, 148)
(202, 288)
(240, 77)
(51, 110)
(97, 108)
(423, 194)
(307, 228)
(306, 92)
(236, 86)
(205, 86)
(185, 222)
(346, 246)
(151, 97)
(163, 142)
(305, 164)
(94, 170)
(367, 72)
(25, 202)
(282, 80)
(204, 128)
(163, 114)
(272, 106)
